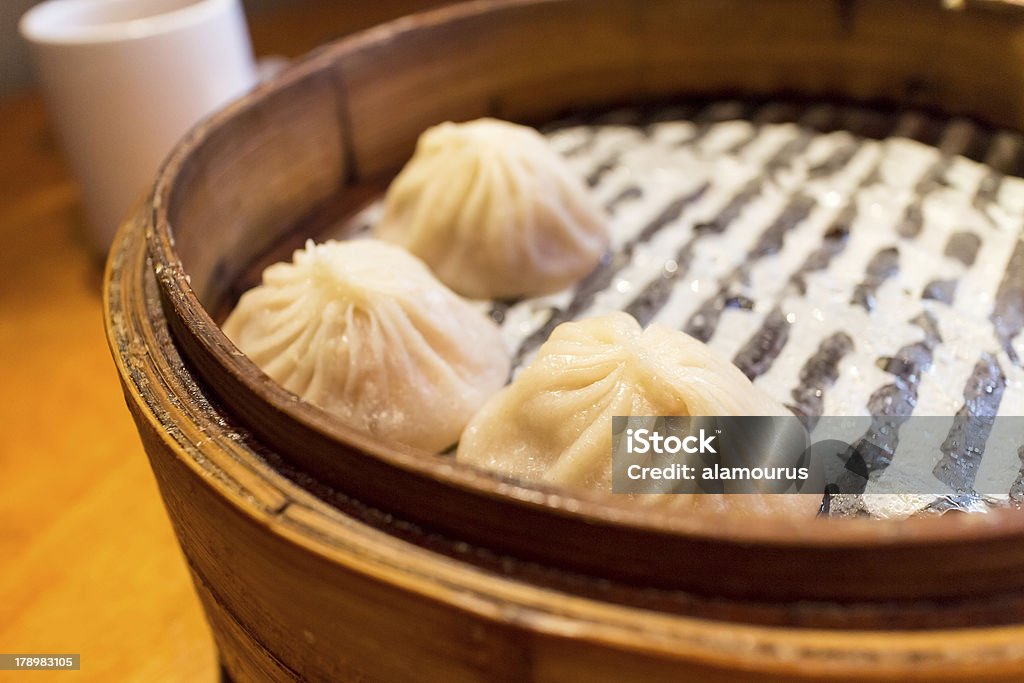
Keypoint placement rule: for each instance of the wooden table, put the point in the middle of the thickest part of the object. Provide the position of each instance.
(89, 562)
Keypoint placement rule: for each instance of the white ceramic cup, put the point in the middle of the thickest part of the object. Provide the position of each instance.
(125, 79)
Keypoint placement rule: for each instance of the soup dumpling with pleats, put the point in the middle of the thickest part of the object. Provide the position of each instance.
(363, 330)
(553, 423)
(494, 211)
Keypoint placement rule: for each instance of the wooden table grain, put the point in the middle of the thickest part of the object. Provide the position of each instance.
(88, 561)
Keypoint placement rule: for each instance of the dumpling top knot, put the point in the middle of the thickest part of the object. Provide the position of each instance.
(494, 211)
(336, 280)
(481, 137)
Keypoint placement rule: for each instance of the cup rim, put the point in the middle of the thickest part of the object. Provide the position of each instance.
(41, 24)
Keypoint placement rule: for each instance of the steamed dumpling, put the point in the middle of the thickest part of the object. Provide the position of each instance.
(363, 330)
(494, 211)
(553, 423)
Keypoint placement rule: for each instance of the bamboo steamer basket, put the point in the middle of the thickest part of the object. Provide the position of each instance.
(320, 554)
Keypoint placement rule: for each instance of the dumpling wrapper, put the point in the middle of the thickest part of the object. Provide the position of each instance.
(363, 330)
(553, 423)
(494, 211)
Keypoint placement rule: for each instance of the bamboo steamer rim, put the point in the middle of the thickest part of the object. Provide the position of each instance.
(179, 412)
(206, 346)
